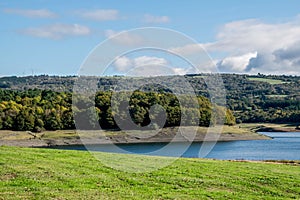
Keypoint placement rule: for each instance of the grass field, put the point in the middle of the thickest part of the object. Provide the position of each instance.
(56, 174)
(268, 80)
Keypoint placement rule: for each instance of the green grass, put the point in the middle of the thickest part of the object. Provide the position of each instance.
(267, 80)
(57, 174)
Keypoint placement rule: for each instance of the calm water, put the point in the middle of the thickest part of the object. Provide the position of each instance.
(283, 146)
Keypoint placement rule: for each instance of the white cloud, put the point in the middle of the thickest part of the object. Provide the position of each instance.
(156, 19)
(99, 15)
(40, 13)
(124, 63)
(148, 66)
(124, 38)
(254, 35)
(236, 63)
(182, 71)
(148, 71)
(149, 60)
(57, 31)
(276, 45)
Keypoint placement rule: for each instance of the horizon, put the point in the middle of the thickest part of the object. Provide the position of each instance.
(76, 75)
(114, 75)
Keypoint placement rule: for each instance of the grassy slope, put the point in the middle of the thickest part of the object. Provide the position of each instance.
(55, 174)
(268, 80)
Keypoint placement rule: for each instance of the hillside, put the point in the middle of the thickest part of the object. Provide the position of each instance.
(259, 98)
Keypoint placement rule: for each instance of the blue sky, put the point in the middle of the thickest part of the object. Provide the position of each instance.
(54, 37)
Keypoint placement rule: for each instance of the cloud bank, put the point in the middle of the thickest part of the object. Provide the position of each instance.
(236, 63)
(252, 46)
(276, 46)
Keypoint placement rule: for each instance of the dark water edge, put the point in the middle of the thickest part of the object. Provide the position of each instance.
(283, 146)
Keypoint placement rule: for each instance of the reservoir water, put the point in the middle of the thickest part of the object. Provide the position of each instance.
(283, 146)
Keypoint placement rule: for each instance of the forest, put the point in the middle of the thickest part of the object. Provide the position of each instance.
(36, 110)
(42, 102)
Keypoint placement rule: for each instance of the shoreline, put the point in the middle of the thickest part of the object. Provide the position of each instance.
(271, 127)
(247, 131)
(276, 129)
(279, 162)
(166, 135)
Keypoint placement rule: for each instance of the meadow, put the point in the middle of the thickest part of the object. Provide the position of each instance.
(267, 80)
(36, 173)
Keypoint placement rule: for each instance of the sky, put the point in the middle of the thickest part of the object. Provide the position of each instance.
(55, 37)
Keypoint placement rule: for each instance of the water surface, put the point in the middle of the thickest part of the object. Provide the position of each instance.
(283, 146)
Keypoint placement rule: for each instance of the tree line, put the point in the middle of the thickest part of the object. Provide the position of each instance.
(37, 110)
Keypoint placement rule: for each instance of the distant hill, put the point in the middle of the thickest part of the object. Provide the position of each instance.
(43, 82)
(235, 84)
(252, 98)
